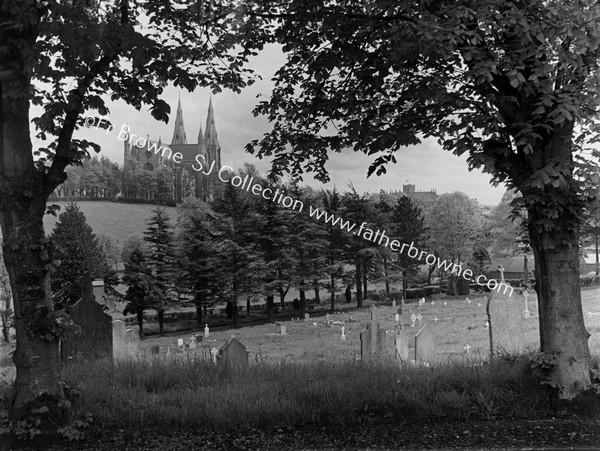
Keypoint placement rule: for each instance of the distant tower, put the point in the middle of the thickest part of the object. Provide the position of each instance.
(213, 149)
(179, 131)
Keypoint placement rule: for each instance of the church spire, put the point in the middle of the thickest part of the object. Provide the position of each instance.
(210, 134)
(179, 132)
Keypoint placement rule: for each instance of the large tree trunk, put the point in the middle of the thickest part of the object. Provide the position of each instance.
(554, 237)
(22, 207)
(36, 356)
(562, 329)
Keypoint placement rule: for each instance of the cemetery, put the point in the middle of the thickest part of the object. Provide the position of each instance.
(377, 228)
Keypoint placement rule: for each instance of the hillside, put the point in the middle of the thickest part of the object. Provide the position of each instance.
(113, 219)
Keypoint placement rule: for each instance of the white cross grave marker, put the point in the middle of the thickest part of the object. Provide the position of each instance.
(214, 352)
(435, 319)
(413, 318)
(432, 302)
(468, 348)
(419, 317)
(445, 303)
(343, 337)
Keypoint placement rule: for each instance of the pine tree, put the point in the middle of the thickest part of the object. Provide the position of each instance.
(241, 268)
(309, 243)
(76, 251)
(197, 253)
(159, 238)
(141, 293)
(407, 226)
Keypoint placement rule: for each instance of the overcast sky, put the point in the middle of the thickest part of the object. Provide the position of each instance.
(427, 165)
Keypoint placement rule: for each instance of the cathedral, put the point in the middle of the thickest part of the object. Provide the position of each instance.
(180, 176)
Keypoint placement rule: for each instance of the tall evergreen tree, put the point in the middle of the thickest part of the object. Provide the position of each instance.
(76, 251)
(159, 239)
(141, 292)
(308, 239)
(197, 253)
(337, 242)
(407, 226)
(239, 257)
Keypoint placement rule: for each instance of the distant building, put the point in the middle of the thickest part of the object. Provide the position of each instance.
(420, 197)
(410, 191)
(157, 157)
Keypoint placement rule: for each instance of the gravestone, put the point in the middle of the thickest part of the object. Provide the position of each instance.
(155, 349)
(233, 354)
(283, 330)
(95, 340)
(372, 341)
(425, 345)
(401, 345)
(505, 314)
(306, 317)
(119, 339)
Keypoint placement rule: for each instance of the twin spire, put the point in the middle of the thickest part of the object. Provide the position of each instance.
(210, 134)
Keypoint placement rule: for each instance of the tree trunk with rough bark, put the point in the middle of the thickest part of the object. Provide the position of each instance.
(562, 329)
(22, 207)
(563, 336)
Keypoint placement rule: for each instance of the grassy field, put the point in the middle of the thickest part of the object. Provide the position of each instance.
(113, 219)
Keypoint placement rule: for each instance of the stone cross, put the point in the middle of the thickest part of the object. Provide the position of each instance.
(435, 319)
(468, 348)
(419, 318)
(432, 302)
(214, 352)
(501, 270)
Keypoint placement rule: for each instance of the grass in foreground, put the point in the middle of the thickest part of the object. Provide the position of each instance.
(180, 394)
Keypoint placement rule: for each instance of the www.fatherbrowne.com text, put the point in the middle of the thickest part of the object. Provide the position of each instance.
(227, 175)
